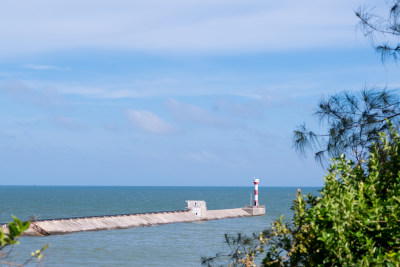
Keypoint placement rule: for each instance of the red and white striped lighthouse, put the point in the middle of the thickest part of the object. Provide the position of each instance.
(256, 191)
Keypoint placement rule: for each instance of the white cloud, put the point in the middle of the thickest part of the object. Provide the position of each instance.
(146, 89)
(42, 67)
(176, 25)
(149, 122)
(132, 89)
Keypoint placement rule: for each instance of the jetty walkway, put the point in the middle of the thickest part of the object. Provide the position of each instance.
(196, 211)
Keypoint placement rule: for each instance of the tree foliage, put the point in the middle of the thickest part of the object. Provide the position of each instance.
(15, 230)
(353, 120)
(242, 250)
(355, 221)
(382, 28)
(10, 237)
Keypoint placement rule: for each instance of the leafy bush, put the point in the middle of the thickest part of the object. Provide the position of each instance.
(355, 221)
(15, 230)
(11, 236)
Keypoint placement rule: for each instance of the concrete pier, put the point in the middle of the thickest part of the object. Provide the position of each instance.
(196, 211)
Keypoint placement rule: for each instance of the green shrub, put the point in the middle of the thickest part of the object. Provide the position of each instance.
(356, 221)
(11, 236)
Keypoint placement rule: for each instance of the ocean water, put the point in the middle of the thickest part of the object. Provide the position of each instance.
(178, 244)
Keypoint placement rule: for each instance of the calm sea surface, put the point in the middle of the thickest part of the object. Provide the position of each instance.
(179, 244)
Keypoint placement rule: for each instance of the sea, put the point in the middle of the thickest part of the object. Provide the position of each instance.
(177, 244)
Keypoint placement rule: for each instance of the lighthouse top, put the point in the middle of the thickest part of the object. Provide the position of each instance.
(256, 180)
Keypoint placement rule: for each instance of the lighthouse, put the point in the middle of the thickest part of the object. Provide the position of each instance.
(256, 181)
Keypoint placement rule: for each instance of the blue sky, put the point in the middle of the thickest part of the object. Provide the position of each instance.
(172, 92)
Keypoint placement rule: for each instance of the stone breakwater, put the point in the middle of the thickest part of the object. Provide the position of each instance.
(112, 222)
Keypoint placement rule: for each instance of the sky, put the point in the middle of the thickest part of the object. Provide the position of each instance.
(172, 93)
